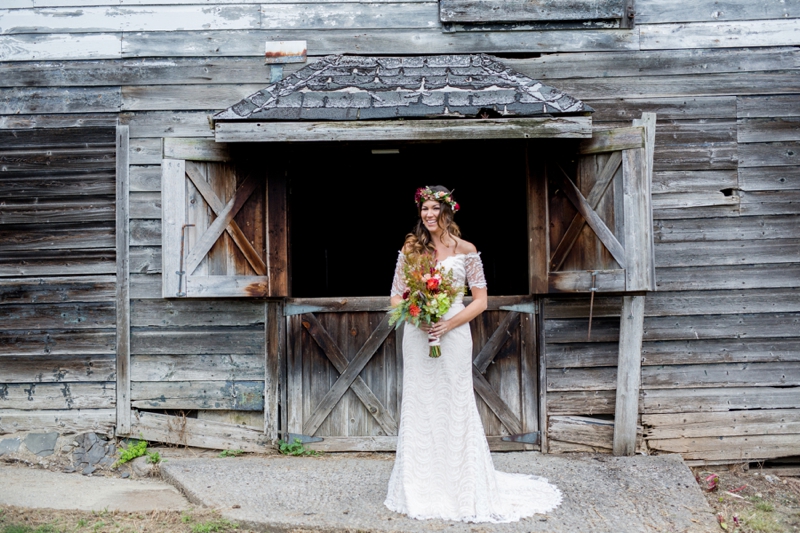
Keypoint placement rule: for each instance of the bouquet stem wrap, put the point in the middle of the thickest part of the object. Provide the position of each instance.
(435, 346)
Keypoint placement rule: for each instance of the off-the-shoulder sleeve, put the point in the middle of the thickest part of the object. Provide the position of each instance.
(399, 284)
(475, 276)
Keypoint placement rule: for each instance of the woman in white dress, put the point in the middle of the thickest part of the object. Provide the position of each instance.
(443, 468)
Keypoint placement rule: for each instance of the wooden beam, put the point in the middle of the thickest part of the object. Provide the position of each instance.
(185, 431)
(629, 375)
(581, 281)
(224, 217)
(339, 361)
(411, 130)
(647, 276)
(277, 225)
(194, 149)
(526, 11)
(347, 377)
(529, 372)
(503, 332)
(173, 217)
(538, 223)
(275, 331)
(495, 402)
(613, 140)
(227, 286)
(233, 229)
(541, 379)
(578, 222)
(123, 301)
(599, 227)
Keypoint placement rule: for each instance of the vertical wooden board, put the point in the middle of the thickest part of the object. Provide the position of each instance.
(123, 302)
(198, 215)
(638, 223)
(648, 121)
(629, 375)
(542, 375)
(360, 422)
(389, 375)
(538, 224)
(277, 233)
(294, 376)
(173, 216)
(286, 323)
(399, 371)
(250, 219)
(528, 374)
(274, 353)
(223, 181)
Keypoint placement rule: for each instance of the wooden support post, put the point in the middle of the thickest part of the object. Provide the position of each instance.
(123, 302)
(276, 334)
(538, 227)
(540, 346)
(629, 374)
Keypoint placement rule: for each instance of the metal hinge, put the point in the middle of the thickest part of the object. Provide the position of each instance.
(533, 437)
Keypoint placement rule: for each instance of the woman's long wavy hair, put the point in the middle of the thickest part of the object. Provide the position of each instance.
(419, 241)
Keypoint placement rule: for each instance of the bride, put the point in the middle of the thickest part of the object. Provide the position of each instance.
(443, 468)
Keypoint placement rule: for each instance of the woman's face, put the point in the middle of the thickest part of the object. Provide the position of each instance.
(430, 212)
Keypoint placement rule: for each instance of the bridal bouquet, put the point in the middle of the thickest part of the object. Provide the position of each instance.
(430, 293)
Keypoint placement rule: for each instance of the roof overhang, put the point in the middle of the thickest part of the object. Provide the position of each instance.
(355, 98)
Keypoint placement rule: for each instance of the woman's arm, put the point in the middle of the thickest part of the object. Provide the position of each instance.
(478, 306)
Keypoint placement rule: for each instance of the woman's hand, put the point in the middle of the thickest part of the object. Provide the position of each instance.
(439, 328)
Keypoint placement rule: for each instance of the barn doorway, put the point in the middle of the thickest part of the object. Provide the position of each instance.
(351, 205)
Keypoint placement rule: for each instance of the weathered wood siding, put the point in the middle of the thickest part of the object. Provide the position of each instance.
(57, 279)
(721, 348)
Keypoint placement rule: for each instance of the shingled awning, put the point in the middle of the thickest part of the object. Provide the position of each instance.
(434, 89)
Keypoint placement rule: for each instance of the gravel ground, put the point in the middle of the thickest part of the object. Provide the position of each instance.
(345, 492)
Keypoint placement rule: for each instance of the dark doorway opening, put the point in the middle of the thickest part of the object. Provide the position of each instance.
(351, 205)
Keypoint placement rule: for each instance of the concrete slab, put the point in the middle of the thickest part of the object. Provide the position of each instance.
(34, 488)
(337, 493)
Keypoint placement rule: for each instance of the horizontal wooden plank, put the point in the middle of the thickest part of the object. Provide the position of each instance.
(725, 229)
(229, 395)
(57, 263)
(723, 399)
(612, 140)
(242, 43)
(770, 202)
(40, 396)
(145, 152)
(737, 448)
(675, 181)
(19, 100)
(677, 254)
(522, 11)
(65, 422)
(583, 403)
(781, 105)
(227, 286)
(670, 108)
(700, 156)
(769, 154)
(57, 137)
(682, 303)
(107, 19)
(721, 424)
(145, 259)
(56, 121)
(171, 123)
(503, 128)
(32, 47)
(185, 431)
(772, 325)
(733, 34)
(145, 205)
(774, 374)
(58, 210)
(768, 129)
(26, 161)
(58, 368)
(84, 315)
(716, 84)
(146, 286)
(163, 367)
(700, 204)
(145, 233)
(595, 432)
(55, 185)
(177, 313)
(581, 379)
(572, 281)
(185, 97)
(44, 290)
(195, 149)
(196, 341)
(769, 179)
(145, 178)
(728, 277)
(55, 342)
(646, 63)
(661, 11)
(335, 15)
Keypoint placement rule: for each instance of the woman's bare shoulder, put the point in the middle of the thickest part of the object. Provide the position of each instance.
(465, 247)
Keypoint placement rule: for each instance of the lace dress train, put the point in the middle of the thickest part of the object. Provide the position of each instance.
(443, 468)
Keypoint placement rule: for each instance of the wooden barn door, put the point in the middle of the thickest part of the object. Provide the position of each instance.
(344, 374)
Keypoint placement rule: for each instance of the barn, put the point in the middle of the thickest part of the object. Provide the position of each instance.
(201, 205)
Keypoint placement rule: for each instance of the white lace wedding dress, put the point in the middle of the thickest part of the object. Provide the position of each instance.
(443, 468)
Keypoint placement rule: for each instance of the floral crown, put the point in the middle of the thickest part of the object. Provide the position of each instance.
(425, 193)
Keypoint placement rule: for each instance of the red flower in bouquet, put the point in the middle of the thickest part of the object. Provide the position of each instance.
(406, 294)
(414, 310)
(432, 284)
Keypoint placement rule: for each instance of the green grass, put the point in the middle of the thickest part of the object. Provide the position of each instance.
(763, 523)
(19, 528)
(294, 448)
(231, 453)
(214, 526)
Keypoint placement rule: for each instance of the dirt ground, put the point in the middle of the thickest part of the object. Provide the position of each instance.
(751, 500)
